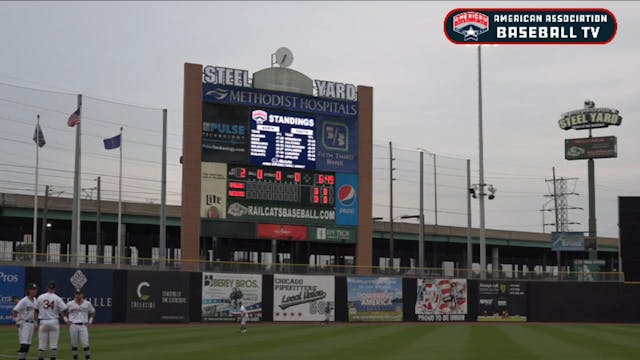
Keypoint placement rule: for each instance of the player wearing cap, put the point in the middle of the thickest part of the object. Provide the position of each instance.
(50, 306)
(24, 313)
(81, 313)
(244, 316)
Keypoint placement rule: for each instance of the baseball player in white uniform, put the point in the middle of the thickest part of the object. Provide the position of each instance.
(50, 306)
(24, 313)
(244, 316)
(81, 313)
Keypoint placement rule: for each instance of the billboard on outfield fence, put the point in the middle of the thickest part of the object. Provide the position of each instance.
(12, 283)
(374, 298)
(502, 301)
(222, 294)
(213, 202)
(303, 297)
(97, 286)
(157, 296)
(441, 300)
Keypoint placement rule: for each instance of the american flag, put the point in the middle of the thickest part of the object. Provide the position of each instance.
(74, 119)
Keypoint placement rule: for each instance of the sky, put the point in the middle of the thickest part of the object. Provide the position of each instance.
(425, 96)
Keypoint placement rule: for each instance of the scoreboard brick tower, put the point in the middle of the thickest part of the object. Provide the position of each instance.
(286, 165)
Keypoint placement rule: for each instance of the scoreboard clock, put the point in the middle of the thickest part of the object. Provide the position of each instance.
(290, 186)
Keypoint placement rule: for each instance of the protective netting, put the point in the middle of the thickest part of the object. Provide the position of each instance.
(101, 119)
(449, 184)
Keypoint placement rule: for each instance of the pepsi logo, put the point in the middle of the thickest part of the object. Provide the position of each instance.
(259, 116)
(347, 195)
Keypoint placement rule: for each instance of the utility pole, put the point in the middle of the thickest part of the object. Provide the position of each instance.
(45, 210)
(555, 205)
(421, 216)
(435, 189)
(98, 227)
(391, 168)
(560, 207)
(162, 244)
(469, 245)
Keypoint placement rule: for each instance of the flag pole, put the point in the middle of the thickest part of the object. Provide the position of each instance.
(119, 246)
(34, 238)
(75, 219)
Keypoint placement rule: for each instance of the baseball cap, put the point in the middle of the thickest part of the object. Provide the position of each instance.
(51, 284)
(32, 286)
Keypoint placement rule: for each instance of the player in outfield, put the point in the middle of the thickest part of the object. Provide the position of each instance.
(81, 313)
(24, 313)
(244, 316)
(50, 307)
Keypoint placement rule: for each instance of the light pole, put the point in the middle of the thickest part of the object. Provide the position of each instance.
(481, 185)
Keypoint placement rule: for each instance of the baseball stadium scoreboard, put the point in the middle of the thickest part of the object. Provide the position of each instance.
(281, 185)
(272, 157)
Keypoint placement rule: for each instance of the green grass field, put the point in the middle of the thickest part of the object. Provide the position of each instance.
(353, 341)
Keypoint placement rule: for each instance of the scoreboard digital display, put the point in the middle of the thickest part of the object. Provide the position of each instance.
(268, 184)
(282, 140)
(278, 158)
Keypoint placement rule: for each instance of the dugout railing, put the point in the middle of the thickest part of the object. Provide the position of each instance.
(138, 263)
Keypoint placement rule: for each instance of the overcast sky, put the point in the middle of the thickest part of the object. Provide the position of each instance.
(425, 94)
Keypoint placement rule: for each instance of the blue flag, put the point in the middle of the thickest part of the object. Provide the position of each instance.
(112, 143)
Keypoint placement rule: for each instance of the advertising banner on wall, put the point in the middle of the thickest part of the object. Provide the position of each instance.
(222, 294)
(277, 213)
(347, 199)
(282, 232)
(344, 235)
(303, 297)
(157, 296)
(337, 145)
(225, 133)
(442, 300)
(374, 298)
(12, 283)
(502, 301)
(213, 202)
(567, 241)
(96, 285)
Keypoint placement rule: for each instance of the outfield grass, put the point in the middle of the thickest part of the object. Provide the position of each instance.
(353, 341)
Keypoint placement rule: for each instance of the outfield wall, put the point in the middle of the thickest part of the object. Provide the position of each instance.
(161, 297)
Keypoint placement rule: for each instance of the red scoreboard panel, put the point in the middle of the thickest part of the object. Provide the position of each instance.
(269, 184)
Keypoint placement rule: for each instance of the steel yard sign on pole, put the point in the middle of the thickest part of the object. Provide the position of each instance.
(589, 118)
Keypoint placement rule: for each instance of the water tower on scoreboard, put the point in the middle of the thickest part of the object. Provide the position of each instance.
(281, 77)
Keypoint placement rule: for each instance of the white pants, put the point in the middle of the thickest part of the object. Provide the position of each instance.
(79, 334)
(48, 334)
(25, 332)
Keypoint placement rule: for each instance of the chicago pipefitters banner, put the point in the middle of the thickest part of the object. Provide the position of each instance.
(222, 294)
(374, 298)
(303, 297)
(502, 301)
(441, 300)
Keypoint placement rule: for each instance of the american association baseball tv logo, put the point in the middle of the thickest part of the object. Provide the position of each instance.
(530, 26)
